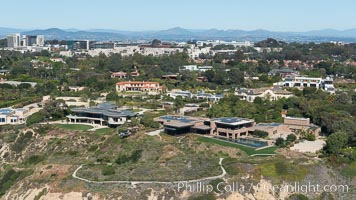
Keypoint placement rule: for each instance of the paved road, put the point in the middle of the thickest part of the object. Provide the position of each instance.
(33, 108)
(74, 175)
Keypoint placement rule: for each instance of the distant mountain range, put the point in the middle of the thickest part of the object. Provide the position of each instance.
(181, 34)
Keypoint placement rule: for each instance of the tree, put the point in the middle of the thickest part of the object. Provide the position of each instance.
(280, 142)
(108, 170)
(291, 137)
(35, 118)
(156, 42)
(112, 96)
(147, 120)
(261, 134)
(348, 126)
(336, 142)
(178, 103)
(24, 86)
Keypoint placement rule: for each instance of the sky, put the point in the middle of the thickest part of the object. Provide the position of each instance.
(138, 15)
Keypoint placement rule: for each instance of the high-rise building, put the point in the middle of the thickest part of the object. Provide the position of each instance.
(13, 40)
(40, 40)
(78, 44)
(29, 40)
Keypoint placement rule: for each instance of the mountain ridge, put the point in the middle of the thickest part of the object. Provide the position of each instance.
(179, 33)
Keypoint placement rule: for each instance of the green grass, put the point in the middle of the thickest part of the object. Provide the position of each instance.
(283, 170)
(349, 170)
(74, 127)
(247, 150)
(268, 150)
(103, 131)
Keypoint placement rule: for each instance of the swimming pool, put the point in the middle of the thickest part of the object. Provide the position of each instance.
(246, 141)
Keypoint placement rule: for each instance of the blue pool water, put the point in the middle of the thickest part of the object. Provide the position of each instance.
(246, 141)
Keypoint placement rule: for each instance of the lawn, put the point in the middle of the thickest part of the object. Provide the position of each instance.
(74, 127)
(247, 150)
(103, 131)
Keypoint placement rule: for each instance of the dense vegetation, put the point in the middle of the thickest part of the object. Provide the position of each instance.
(143, 156)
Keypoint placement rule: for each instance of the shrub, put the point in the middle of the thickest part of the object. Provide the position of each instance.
(215, 183)
(297, 197)
(108, 170)
(280, 142)
(310, 137)
(39, 195)
(281, 168)
(291, 137)
(209, 196)
(134, 157)
(32, 160)
(258, 133)
(35, 118)
(21, 142)
(10, 178)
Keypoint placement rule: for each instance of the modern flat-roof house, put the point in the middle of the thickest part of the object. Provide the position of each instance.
(231, 127)
(183, 94)
(76, 88)
(208, 97)
(13, 116)
(200, 95)
(291, 125)
(4, 72)
(195, 68)
(105, 114)
(170, 76)
(176, 125)
(296, 124)
(138, 86)
(271, 94)
(303, 82)
(273, 129)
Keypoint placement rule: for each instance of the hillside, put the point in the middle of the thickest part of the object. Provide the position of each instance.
(41, 161)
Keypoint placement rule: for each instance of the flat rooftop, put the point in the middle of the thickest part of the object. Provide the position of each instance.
(107, 109)
(269, 124)
(299, 118)
(182, 119)
(232, 120)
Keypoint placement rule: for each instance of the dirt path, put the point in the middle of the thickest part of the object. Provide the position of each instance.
(74, 175)
(155, 133)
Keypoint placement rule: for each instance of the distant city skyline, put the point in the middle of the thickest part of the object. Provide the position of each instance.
(140, 15)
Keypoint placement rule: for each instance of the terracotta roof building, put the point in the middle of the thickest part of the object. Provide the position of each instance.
(138, 86)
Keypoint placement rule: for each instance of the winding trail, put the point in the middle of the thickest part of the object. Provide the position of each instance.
(74, 175)
(263, 154)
